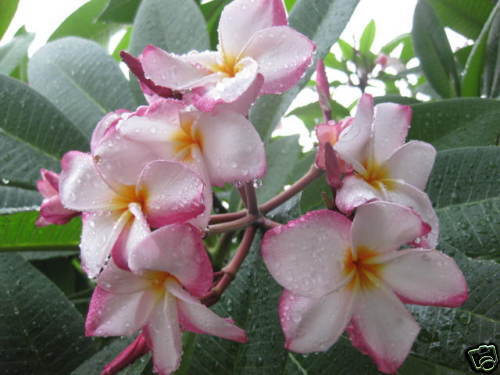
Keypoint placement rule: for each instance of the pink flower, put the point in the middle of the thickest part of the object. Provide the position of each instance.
(390, 62)
(171, 271)
(384, 167)
(254, 40)
(116, 216)
(340, 275)
(52, 211)
(222, 146)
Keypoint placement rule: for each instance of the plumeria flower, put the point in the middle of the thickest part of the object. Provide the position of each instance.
(254, 41)
(386, 62)
(171, 271)
(222, 147)
(117, 216)
(384, 166)
(341, 276)
(51, 210)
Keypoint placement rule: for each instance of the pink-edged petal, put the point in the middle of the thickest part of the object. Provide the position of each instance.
(172, 193)
(177, 249)
(408, 195)
(132, 234)
(163, 335)
(48, 186)
(412, 163)
(201, 221)
(314, 324)
(99, 234)
(232, 148)
(117, 281)
(382, 328)
(323, 89)
(306, 255)
(118, 314)
(226, 89)
(81, 187)
(383, 226)
(283, 54)
(353, 141)
(169, 70)
(242, 18)
(246, 100)
(390, 127)
(53, 212)
(120, 160)
(425, 277)
(106, 125)
(198, 318)
(354, 192)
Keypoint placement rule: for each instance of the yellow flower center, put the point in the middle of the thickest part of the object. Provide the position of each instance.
(157, 280)
(186, 140)
(127, 194)
(365, 272)
(377, 176)
(230, 66)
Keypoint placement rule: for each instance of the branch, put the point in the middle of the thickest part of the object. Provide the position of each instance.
(230, 270)
(242, 222)
(251, 199)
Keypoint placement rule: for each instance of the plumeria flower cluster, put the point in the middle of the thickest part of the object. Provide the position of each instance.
(144, 193)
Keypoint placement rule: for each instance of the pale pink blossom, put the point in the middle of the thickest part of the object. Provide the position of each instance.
(342, 276)
(254, 41)
(171, 271)
(51, 210)
(384, 166)
(116, 216)
(386, 62)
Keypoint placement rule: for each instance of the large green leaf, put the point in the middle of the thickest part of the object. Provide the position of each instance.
(456, 122)
(33, 135)
(176, 26)
(13, 53)
(19, 233)
(434, 51)
(7, 11)
(491, 76)
(320, 20)
(81, 79)
(40, 330)
(83, 23)
(464, 16)
(120, 11)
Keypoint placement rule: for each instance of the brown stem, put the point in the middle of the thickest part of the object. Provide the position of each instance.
(252, 205)
(230, 270)
(267, 223)
(242, 222)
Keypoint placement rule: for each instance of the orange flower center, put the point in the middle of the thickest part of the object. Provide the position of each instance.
(186, 140)
(365, 272)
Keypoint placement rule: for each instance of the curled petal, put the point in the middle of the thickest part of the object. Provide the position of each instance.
(353, 193)
(163, 335)
(53, 212)
(383, 226)
(232, 148)
(314, 324)
(136, 349)
(48, 186)
(283, 54)
(242, 18)
(178, 250)
(426, 277)
(106, 126)
(382, 328)
(117, 281)
(306, 255)
(118, 314)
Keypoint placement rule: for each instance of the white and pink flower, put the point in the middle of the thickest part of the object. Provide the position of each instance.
(116, 216)
(160, 298)
(254, 41)
(342, 276)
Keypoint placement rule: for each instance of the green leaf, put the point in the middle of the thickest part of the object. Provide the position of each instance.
(407, 51)
(282, 154)
(320, 20)
(312, 115)
(348, 51)
(472, 78)
(83, 23)
(8, 10)
(462, 54)
(40, 330)
(212, 11)
(123, 44)
(395, 99)
(366, 40)
(33, 135)
(434, 51)
(332, 62)
(19, 233)
(491, 76)
(120, 11)
(456, 122)
(81, 79)
(13, 53)
(177, 26)
(289, 5)
(466, 17)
